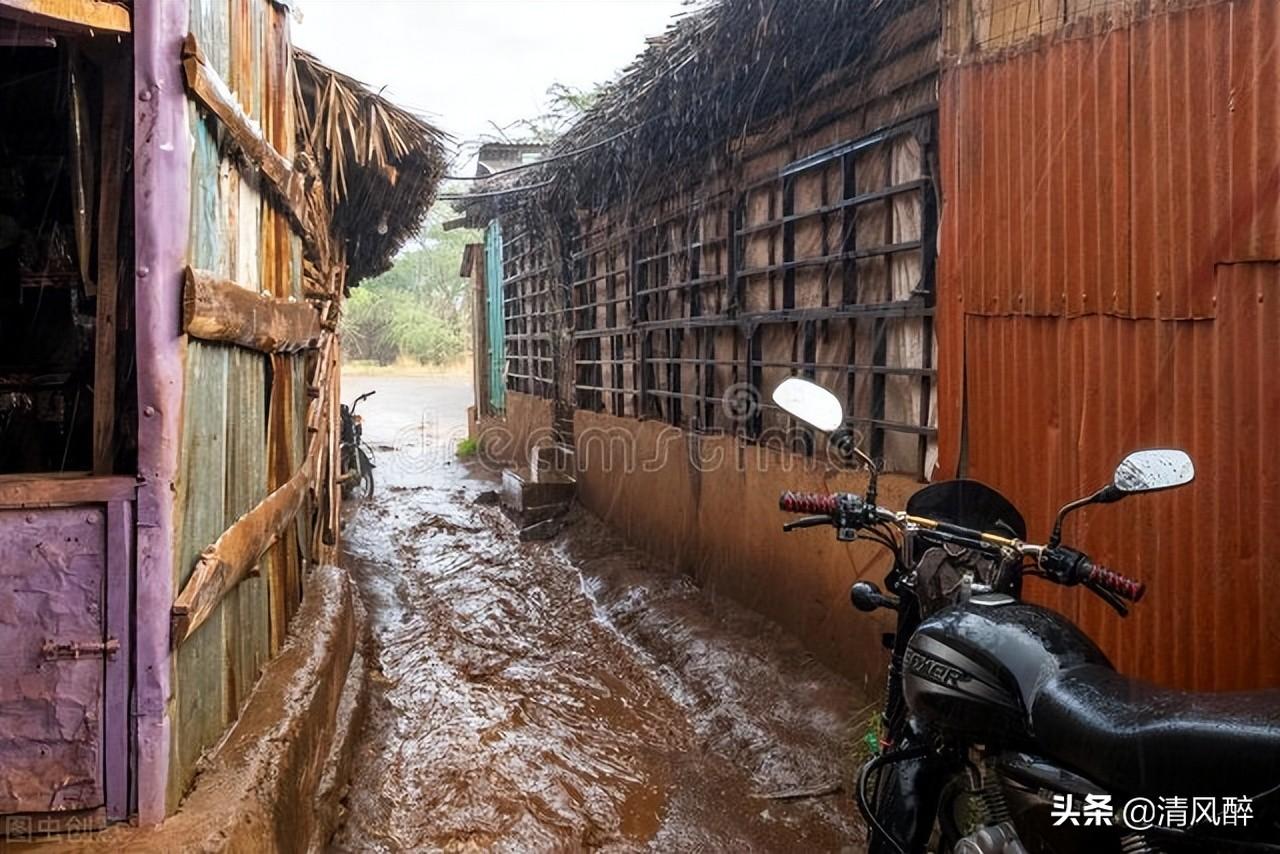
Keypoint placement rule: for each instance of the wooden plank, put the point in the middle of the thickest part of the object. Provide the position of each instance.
(115, 115)
(96, 15)
(218, 309)
(288, 183)
(233, 556)
(283, 567)
(333, 493)
(50, 490)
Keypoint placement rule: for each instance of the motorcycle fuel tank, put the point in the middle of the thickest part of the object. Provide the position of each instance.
(975, 668)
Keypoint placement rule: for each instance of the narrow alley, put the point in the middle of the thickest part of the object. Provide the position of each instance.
(639, 426)
(562, 695)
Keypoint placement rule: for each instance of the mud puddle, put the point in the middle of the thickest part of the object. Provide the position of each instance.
(573, 694)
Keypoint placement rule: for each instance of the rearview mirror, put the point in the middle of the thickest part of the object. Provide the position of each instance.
(1149, 471)
(1141, 471)
(809, 402)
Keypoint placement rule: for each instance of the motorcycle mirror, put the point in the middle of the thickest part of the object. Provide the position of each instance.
(809, 402)
(1149, 471)
(1140, 471)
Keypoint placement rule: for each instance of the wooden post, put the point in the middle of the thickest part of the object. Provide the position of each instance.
(115, 121)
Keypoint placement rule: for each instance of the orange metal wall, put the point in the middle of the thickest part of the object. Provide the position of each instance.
(1108, 279)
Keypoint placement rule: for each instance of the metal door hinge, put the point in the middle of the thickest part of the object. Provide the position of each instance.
(58, 650)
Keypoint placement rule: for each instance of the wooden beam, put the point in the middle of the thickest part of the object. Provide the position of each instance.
(215, 96)
(284, 554)
(96, 15)
(218, 309)
(115, 115)
(25, 490)
(236, 554)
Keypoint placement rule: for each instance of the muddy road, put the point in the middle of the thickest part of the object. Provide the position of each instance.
(571, 694)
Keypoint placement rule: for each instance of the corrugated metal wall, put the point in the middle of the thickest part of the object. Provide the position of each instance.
(1109, 279)
(244, 413)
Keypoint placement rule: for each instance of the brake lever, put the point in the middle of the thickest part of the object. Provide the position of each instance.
(1110, 598)
(806, 522)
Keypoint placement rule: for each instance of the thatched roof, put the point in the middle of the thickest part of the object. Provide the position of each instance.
(718, 71)
(380, 164)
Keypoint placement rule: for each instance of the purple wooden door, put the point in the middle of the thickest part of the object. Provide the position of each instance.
(53, 657)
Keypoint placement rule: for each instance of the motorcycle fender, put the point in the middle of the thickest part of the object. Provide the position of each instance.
(906, 801)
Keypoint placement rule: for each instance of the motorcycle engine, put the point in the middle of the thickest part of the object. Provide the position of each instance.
(946, 573)
(992, 839)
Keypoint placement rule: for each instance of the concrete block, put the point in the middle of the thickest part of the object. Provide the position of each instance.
(520, 492)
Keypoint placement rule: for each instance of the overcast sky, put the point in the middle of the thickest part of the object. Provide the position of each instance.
(464, 63)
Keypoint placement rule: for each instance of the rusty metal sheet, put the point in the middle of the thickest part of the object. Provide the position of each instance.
(1037, 147)
(1253, 221)
(1108, 279)
(1055, 402)
(224, 461)
(1109, 174)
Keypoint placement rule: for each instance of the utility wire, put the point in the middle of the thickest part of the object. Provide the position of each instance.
(564, 155)
(453, 197)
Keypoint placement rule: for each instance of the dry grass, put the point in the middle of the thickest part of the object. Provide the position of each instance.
(699, 89)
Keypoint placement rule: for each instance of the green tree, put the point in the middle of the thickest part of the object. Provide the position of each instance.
(563, 106)
(420, 309)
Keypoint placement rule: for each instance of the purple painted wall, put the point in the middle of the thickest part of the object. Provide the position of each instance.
(162, 163)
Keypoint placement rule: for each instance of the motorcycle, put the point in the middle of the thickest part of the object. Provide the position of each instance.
(1005, 728)
(356, 459)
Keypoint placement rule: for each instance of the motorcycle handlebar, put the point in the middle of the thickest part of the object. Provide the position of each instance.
(807, 502)
(1064, 565)
(1122, 586)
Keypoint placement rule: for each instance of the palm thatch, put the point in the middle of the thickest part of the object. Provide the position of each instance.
(718, 72)
(380, 164)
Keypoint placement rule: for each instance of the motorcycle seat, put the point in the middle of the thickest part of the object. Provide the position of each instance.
(1139, 739)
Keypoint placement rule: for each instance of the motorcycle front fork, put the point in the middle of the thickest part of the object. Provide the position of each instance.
(906, 803)
(907, 790)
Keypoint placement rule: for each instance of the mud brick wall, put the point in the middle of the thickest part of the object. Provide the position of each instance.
(709, 504)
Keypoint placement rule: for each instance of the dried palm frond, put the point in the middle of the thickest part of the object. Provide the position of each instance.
(380, 164)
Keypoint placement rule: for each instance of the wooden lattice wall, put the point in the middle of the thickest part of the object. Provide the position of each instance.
(813, 257)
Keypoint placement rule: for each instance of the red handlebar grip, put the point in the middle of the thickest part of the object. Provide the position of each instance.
(1126, 588)
(806, 502)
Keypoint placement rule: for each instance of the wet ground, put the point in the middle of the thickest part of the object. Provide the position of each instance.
(571, 694)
